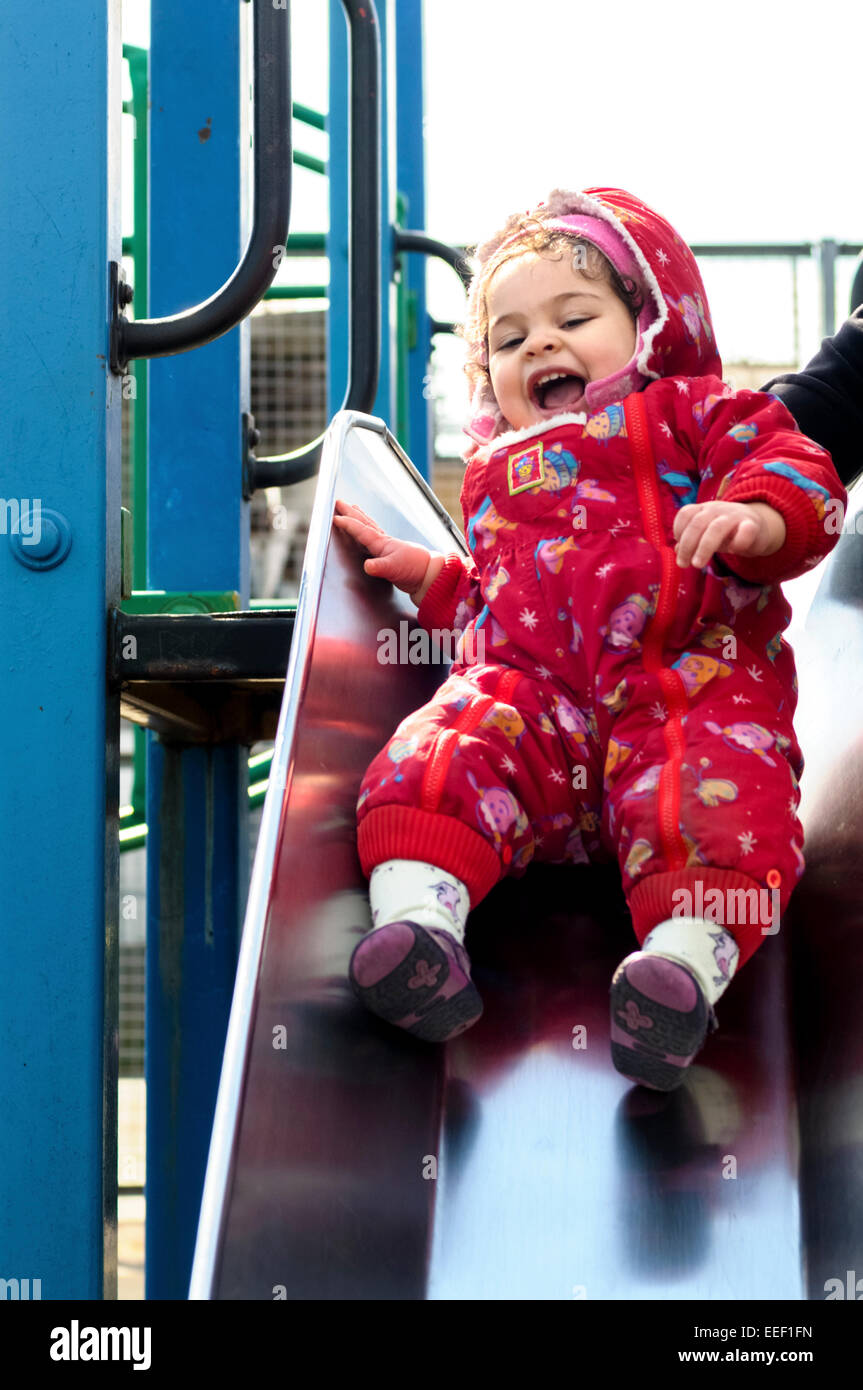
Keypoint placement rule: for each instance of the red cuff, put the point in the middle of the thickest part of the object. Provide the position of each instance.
(405, 832)
(437, 609)
(652, 901)
(801, 531)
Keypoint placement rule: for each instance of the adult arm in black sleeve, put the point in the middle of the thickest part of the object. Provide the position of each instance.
(826, 398)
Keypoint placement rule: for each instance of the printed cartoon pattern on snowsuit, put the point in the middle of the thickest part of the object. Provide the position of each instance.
(627, 708)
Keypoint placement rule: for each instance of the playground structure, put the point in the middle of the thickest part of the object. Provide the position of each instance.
(314, 1150)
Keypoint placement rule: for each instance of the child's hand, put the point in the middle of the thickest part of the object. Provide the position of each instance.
(404, 564)
(743, 528)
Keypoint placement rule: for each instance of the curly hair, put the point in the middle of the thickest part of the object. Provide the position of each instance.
(533, 236)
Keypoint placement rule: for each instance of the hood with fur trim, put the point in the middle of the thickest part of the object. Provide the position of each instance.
(674, 331)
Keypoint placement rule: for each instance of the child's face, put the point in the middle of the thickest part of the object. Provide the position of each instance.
(545, 316)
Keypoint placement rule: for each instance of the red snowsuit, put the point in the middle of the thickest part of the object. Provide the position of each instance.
(622, 705)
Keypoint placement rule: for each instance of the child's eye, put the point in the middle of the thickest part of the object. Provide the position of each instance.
(570, 323)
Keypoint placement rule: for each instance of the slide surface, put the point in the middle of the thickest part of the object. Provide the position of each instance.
(351, 1161)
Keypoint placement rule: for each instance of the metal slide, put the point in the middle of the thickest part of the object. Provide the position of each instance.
(351, 1161)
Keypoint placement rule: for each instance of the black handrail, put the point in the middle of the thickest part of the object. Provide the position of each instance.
(452, 255)
(270, 221)
(364, 255)
(296, 467)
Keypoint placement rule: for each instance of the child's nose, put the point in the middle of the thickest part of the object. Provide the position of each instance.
(540, 339)
(539, 336)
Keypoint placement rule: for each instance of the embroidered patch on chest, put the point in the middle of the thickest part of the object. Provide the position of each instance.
(526, 468)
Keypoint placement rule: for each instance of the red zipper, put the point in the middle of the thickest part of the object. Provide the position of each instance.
(445, 744)
(668, 792)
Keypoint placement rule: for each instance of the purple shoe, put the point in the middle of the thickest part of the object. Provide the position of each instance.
(417, 978)
(659, 1020)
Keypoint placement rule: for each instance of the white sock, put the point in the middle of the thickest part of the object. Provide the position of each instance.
(412, 890)
(703, 947)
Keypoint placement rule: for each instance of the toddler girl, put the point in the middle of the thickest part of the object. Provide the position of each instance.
(630, 520)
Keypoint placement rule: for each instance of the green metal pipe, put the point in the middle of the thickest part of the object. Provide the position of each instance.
(309, 161)
(297, 292)
(309, 116)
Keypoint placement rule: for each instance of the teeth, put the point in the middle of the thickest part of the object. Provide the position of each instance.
(550, 376)
(547, 377)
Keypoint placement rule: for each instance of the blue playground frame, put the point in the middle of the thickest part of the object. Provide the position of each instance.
(60, 718)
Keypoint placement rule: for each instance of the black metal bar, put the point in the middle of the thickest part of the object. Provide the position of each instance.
(271, 217)
(798, 248)
(453, 255)
(743, 248)
(252, 645)
(307, 464)
(201, 677)
(364, 136)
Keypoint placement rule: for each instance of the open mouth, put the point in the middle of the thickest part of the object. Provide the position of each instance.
(559, 391)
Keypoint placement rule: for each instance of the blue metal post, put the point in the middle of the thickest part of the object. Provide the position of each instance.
(59, 733)
(337, 237)
(197, 538)
(410, 139)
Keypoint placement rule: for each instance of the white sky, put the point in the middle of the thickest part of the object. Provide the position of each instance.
(737, 121)
(721, 123)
